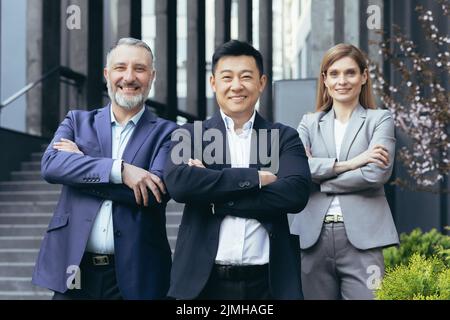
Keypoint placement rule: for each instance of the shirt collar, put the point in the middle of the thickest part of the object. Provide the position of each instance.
(229, 123)
(134, 120)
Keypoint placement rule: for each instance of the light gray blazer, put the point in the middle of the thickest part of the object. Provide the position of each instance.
(367, 217)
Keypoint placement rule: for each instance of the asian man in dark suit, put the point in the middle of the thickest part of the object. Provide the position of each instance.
(107, 238)
(234, 240)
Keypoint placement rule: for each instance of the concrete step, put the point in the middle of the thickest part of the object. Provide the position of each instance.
(36, 195)
(16, 269)
(34, 175)
(30, 165)
(175, 206)
(27, 207)
(20, 242)
(26, 295)
(28, 186)
(172, 242)
(16, 284)
(173, 217)
(19, 255)
(172, 230)
(22, 229)
(25, 218)
(36, 156)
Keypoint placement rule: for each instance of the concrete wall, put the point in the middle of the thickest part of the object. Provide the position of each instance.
(13, 62)
(9, 140)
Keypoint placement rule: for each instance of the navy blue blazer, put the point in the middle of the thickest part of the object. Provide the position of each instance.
(142, 252)
(236, 192)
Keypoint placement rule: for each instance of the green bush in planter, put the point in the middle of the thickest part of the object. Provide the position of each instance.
(427, 244)
(421, 279)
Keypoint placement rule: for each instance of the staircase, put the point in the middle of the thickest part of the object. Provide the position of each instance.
(26, 206)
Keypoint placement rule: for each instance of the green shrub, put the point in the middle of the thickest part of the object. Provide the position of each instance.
(420, 279)
(427, 244)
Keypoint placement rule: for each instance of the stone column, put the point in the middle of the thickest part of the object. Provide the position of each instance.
(51, 54)
(94, 84)
(74, 51)
(266, 48)
(245, 20)
(34, 66)
(222, 22)
(196, 68)
(166, 56)
(322, 32)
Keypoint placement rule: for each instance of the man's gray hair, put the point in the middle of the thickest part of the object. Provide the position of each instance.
(130, 42)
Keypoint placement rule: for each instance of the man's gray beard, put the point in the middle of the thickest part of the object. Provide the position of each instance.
(125, 102)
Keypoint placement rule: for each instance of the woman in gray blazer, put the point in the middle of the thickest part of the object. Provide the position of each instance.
(351, 147)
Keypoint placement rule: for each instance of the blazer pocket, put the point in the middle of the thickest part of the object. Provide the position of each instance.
(58, 222)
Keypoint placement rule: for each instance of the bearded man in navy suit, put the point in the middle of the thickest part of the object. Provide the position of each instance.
(107, 238)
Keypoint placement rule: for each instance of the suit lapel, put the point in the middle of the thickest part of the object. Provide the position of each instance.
(143, 129)
(260, 124)
(216, 122)
(354, 125)
(103, 128)
(326, 125)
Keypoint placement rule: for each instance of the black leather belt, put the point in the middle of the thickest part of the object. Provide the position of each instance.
(233, 272)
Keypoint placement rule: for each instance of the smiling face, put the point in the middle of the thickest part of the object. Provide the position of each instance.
(238, 85)
(344, 80)
(129, 76)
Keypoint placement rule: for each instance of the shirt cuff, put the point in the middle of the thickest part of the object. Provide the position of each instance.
(116, 172)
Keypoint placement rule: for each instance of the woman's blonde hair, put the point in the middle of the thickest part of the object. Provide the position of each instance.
(339, 51)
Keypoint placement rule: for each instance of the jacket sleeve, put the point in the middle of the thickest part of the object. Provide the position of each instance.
(321, 168)
(188, 184)
(98, 185)
(369, 176)
(288, 194)
(73, 169)
(123, 194)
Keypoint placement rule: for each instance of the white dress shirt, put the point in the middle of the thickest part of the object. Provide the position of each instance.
(241, 241)
(339, 132)
(101, 239)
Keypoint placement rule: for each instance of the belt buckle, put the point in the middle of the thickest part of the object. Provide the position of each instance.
(333, 218)
(100, 260)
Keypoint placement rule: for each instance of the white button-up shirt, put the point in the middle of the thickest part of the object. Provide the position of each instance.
(339, 132)
(101, 239)
(241, 241)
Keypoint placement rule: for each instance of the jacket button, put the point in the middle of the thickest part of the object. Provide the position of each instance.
(117, 233)
(230, 203)
(247, 183)
(242, 184)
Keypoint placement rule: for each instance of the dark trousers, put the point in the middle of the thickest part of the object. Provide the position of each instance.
(98, 280)
(237, 283)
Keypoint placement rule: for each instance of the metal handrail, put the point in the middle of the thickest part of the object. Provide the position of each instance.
(161, 107)
(63, 71)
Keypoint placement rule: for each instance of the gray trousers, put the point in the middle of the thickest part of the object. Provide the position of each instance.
(334, 269)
